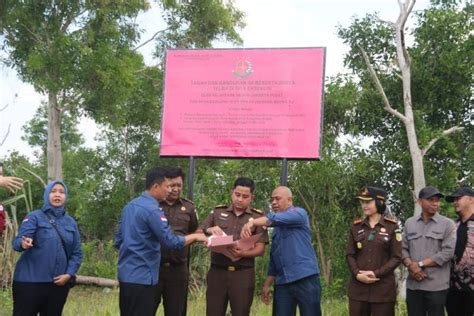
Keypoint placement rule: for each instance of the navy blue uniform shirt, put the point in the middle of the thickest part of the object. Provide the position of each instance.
(142, 228)
(292, 256)
(47, 259)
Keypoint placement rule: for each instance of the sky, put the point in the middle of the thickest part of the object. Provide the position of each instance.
(269, 24)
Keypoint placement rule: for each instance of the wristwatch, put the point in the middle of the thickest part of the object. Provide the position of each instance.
(421, 264)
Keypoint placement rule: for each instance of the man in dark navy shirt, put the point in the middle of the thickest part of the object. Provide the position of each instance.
(143, 227)
(293, 264)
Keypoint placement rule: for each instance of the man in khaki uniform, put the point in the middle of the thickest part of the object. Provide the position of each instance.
(428, 246)
(227, 280)
(181, 216)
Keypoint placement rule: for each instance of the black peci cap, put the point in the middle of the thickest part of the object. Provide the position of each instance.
(428, 192)
(460, 192)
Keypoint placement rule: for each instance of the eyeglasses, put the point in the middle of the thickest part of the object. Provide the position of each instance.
(371, 235)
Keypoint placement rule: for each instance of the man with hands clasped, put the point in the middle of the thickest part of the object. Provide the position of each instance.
(428, 245)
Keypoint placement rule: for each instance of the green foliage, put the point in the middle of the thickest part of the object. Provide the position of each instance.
(196, 24)
(374, 36)
(441, 78)
(99, 259)
(36, 131)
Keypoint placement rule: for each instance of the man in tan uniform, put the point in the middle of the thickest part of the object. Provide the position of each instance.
(181, 216)
(427, 248)
(227, 280)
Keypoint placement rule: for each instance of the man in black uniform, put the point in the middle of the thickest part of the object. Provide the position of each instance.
(181, 216)
(227, 280)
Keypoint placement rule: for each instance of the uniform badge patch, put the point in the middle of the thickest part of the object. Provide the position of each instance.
(398, 236)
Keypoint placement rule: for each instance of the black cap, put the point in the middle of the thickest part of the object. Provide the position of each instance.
(460, 192)
(372, 193)
(428, 192)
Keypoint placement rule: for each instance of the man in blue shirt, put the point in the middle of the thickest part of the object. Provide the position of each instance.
(143, 227)
(293, 264)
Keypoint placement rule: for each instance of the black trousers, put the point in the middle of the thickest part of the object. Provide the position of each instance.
(460, 303)
(426, 303)
(172, 286)
(138, 299)
(47, 299)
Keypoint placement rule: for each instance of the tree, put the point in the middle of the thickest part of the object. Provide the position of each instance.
(380, 57)
(49, 42)
(82, 54)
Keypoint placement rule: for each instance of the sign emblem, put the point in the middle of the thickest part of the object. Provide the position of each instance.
(242, 68)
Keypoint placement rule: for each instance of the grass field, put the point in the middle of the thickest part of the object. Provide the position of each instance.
(93, 301)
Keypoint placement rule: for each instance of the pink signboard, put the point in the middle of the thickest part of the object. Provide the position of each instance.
(245, 103)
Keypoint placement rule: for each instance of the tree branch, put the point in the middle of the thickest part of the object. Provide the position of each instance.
(447, 132)
(35, 37)
(405, 10)
(389, 23)
(387, 107)
(6, 135)
(149, 40)
(68, 22)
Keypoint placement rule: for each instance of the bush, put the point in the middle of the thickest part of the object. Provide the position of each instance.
(99, 259)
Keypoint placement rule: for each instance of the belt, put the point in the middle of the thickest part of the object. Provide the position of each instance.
(171, 264)
(230, 268)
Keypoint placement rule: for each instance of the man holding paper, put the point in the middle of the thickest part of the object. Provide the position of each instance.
(232, 274)
(293, 264)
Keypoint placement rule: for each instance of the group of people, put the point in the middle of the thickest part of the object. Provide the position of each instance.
(153, 232)
(156, 227)
(149, 273)
(437, 252)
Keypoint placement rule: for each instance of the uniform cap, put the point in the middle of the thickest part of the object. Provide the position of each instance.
(458, 193)
(372, 193)
(429, 192)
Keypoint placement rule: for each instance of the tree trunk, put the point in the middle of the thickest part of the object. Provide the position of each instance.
(405, 68)
(88, 280)
(128, 167)
(54, 155)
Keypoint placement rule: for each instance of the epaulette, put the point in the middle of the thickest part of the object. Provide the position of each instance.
(357, 221)
(390, 220)
(189, 201)
(221, 206)
(256, 210)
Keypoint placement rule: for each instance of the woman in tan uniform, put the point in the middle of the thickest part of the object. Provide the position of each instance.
(374, 251)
